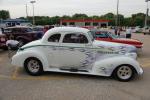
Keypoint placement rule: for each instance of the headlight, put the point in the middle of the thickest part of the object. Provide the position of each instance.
(2, 39)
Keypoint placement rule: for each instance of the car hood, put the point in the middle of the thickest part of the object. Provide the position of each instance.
(33, 43)
(123, 48)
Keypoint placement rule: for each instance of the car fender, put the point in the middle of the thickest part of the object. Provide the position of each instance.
(19, 58)
(107, 66)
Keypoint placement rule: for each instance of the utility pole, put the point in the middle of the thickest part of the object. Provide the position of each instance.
(147, 10)
(32, 2)
(117, 17)
(26, 11)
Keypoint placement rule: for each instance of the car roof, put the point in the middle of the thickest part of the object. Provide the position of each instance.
(67, 29)
(17, 27)
(63, 30)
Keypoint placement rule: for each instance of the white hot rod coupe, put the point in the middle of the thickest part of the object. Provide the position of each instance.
(73, 50)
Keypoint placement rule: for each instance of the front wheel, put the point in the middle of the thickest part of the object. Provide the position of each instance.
(124, 73)
(33, 66)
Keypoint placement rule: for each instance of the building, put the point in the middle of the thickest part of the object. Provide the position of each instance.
(84, 22)
(13, 22)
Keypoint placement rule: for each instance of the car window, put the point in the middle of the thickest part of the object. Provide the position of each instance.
(113, 35)
(91, 35)
(54, 38)
(75, 38)
(102, 35)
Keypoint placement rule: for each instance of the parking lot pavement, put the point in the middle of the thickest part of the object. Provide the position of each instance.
(16, 84)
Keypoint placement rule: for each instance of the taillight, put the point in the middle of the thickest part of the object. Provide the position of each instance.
(2, 39)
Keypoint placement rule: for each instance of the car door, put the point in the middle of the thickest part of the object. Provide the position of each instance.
(51, 50)
(76, 51)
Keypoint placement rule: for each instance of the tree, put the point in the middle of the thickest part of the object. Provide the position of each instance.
(4, 14)
(138, 19)
(109, 16)
(65, 17)
(80, 16)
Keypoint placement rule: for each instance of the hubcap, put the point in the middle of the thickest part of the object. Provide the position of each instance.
(124, 72)
(33, 66)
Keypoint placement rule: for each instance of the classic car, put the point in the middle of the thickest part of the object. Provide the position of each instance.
(74, 50)
(108, 36)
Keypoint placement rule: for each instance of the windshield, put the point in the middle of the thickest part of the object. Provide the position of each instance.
(91, 35)
(112, 35)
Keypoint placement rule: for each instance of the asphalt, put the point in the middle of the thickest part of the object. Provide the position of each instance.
(16, 84)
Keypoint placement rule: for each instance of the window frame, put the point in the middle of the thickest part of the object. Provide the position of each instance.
(75, 43)
(103, 35)
(52, 35)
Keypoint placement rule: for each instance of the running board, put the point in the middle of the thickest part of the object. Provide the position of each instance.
(73, 70)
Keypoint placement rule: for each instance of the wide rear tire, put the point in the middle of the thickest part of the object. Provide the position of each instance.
(124, 73)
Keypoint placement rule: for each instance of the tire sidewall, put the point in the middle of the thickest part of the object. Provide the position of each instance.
(39, 72)
(115, 75)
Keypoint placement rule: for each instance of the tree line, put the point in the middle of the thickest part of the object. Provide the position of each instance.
(135, 19)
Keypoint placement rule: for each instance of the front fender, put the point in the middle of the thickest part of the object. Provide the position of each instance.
(19, 58)
(107, 66)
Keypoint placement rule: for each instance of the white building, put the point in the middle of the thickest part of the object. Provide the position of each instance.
(84, 22)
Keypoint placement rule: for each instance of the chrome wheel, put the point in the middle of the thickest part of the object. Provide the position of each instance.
(124, 72)
(33, 66)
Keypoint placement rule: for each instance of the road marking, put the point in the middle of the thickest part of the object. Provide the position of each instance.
(146, 65)
(14, 75)
(31, 78)
(37, 78)
(4, 77)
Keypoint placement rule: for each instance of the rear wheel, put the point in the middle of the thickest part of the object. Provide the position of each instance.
(33, 66)
(124, 73)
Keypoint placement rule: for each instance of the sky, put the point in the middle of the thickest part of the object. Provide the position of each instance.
(17, 8)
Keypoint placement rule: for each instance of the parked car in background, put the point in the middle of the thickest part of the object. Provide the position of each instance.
(3, 40)
(137, 29)
(23, 34)
(108, 36)
(74, 50)
(146, 31)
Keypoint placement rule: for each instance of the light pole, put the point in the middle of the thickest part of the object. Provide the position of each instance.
(32, 2)
(117, 17)
(147, 10)
(27, 11)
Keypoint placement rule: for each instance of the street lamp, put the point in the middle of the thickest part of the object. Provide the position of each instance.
(147, 10)
(26, 11)
(117, 17)
(32, 2)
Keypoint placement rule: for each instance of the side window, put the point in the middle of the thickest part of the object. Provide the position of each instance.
(54, 38)
(75, 38)
(102, 35)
